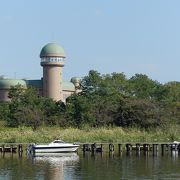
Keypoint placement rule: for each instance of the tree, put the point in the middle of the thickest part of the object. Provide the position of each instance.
(29, 116)
(54, 112)
(25, 107)
(79, 111)
(105, 100)
(28, 108)
(173, 94)
(139, 112)
(4, 111)
(142, 87)
(91, 82)
(172, 100)
(98, 100)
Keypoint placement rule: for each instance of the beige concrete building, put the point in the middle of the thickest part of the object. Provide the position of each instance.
(51, 84)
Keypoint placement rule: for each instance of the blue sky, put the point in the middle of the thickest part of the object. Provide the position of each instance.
(130, 36)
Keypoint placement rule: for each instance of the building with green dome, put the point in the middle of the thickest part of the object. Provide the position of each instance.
(51, 84)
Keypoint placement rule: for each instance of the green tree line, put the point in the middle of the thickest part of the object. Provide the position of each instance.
(105, 100)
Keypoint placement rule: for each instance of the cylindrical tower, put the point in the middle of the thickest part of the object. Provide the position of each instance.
(52, 60)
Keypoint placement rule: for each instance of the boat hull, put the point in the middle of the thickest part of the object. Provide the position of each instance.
(54, 149)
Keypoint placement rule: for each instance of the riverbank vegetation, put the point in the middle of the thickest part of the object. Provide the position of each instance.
(87, 135)
(110, 102)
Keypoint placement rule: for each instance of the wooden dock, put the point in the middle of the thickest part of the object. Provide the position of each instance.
(13, 147)
(101, 147)
(128, 147)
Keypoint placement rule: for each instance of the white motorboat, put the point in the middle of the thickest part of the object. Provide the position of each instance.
(56, 146)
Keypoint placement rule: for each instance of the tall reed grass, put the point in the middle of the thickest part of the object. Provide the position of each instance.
(88, 135)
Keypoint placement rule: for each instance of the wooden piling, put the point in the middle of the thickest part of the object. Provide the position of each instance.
(138, 148)
(155, 147)
(3, 149)
(86, 147)
(20, 149)
(99, 149)
(11, 148)
(111, 147)
(146, 147)
(162, 149)
(93, 147)
(178, 147)
(120, 148)
(128, 147)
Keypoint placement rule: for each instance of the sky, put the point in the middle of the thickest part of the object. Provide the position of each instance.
(129, 36)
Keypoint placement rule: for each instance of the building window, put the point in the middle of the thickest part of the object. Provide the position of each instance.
(52, 59)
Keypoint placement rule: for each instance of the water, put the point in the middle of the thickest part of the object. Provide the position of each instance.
(90, 167)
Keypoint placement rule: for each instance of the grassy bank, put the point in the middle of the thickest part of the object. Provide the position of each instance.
(47, 134)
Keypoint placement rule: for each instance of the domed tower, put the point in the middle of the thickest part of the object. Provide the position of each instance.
(52, 60)
(6, 84)
(76, 81)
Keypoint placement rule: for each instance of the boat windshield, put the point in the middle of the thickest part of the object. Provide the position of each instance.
(58, 141)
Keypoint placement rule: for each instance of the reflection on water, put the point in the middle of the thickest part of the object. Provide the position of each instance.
(56, 159)
(57, 163)
(88, 166)
(40, 167)
(131, 166)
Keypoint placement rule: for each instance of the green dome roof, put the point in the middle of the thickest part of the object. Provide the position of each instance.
(7, 83)
(68, 86)
(52, 50)
(75, 79)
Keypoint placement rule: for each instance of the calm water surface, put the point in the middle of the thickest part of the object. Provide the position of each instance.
(90, 167)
